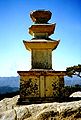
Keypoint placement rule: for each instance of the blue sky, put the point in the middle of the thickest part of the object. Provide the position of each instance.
(14, 24)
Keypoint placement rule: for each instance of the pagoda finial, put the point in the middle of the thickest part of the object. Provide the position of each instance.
(40, 16)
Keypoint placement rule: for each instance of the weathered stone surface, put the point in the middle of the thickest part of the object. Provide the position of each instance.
(37, 110)
(40, 16)
(2, 106)
(57, 111)
(45, 111)
(38, 45)
(40, 84)
(22, 112)
(42, 28)
(8, 103)
(41, 57)
(76, 94)
(8, 115)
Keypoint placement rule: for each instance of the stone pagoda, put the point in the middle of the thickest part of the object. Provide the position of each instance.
(41, 83)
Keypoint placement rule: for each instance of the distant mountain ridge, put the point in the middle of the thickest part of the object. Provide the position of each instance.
(9, 84)
(9, 81)
(72, 81)
(8, 89)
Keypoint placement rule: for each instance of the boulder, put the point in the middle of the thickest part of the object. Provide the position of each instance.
(22, 112)
(9, 110)
(76, 94)
(8, 115)
(2, 106)
(8, 103)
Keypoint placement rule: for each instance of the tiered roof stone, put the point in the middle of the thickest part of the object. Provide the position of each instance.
(40, 16)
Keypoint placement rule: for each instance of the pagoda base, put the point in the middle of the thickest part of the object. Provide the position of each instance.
(40, 86)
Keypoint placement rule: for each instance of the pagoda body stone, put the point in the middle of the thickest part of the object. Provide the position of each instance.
(41, 52)
(41, 83)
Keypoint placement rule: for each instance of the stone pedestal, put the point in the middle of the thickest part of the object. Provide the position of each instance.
(41, 86)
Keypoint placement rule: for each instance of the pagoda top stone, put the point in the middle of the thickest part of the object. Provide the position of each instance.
(40, 16)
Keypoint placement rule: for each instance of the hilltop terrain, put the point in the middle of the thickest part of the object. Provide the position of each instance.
(9, 110)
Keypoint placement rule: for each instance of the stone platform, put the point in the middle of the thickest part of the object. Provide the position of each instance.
(40, 85)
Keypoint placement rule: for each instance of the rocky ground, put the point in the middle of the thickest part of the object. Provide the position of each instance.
(45, 111)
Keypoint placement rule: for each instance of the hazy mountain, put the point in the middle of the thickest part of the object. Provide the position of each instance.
(9, 84)
(9, 81)
(71, 81)
(8, 89)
